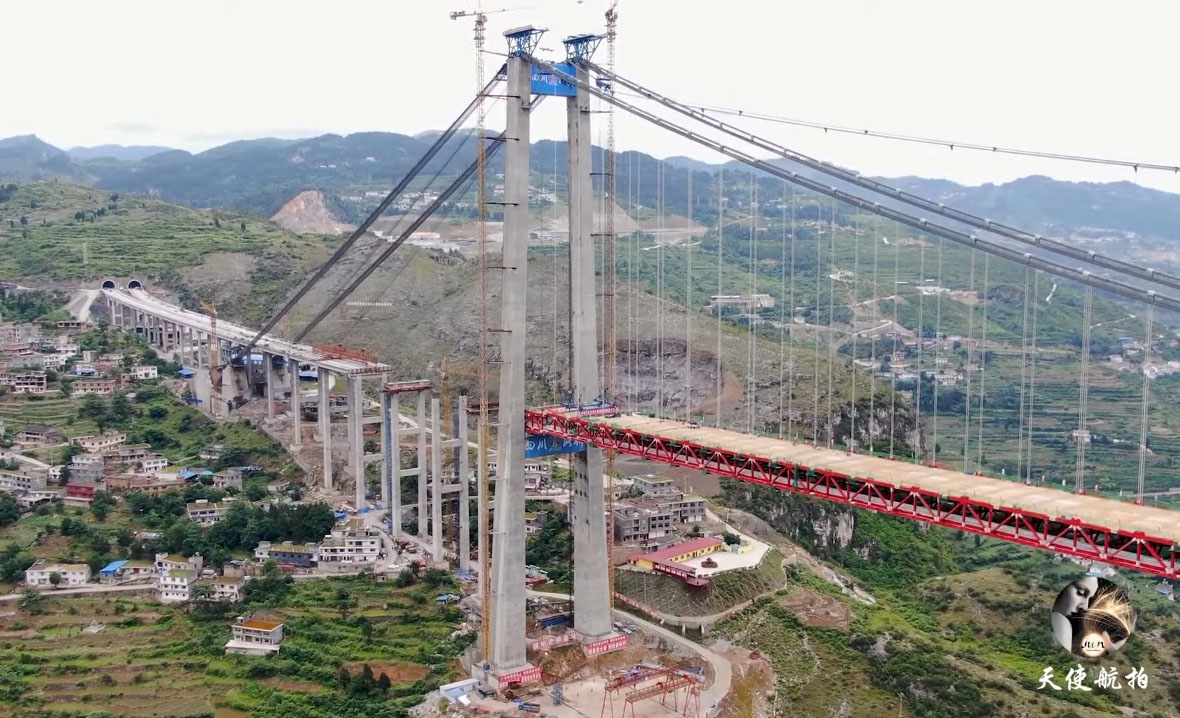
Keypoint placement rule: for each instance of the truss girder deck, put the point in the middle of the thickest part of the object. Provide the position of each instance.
(1093, 533)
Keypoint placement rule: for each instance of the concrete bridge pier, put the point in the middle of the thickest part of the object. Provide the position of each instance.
(294, 407)
(462, 471)
(325, 421)
(272, 378)
(436, 481)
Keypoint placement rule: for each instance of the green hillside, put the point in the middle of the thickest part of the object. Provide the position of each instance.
(54, 230)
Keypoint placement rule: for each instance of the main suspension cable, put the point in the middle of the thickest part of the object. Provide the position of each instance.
(1052, 245)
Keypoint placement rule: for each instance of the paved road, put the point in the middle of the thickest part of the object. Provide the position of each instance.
(83, 591)
(722, 669)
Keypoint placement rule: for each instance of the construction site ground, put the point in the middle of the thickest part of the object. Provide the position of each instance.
(584, 690)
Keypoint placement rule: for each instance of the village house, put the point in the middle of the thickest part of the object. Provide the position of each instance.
(176, 585)
(19, 482)
(38, 435)
(166, 562)
(100, 387)
(353, 543)
(255, 638)
(80, 493)
(287, 553)
(229, 588)
(142, 372)
(125, 571)
(102, 443)
(230, 478)
(24, 382)
(72, 574)
(87, 467)
(205, 512)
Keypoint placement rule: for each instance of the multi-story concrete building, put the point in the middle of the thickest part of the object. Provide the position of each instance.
(141, 372)
(645, 520)
(641, 523)
(101, 443)
(20, 482)
(535, 521)
(255, 638)
(24, 382)
(72, 574)
(228, 588)
(652, 485)
(101, 387)
(87, 467)
(230, 478)
(152, 463)
(176, 585)
(687, 509)
(352, 543)
(166, 562)
(139, 482)
(37, 435)
(291, 554)
(206, 513)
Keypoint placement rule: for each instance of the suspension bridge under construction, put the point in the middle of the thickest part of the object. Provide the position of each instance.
(598, 421)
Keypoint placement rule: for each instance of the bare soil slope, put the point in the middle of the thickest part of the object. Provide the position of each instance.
(308, 213)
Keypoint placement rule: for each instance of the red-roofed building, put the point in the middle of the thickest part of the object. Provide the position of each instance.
(670, 560)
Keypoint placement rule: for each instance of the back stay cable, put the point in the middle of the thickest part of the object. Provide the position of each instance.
(380, 209)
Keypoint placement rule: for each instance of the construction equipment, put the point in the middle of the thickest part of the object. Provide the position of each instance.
(339, 351)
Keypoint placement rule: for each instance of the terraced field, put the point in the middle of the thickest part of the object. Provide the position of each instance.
(153, 660)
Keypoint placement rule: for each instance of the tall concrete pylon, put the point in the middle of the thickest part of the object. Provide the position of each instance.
(507, 580)
(592, 617)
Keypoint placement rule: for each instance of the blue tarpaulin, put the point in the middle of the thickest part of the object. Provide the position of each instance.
(112, 568)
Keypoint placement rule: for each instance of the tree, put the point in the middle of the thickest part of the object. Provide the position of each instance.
(366, 627)
(344, 603)
(9, 509)
(92, 407)
(343, 679)
(31, 599)
(101, 505)
(121, 411)
(201, 592)
(55, 579)
(384, 683)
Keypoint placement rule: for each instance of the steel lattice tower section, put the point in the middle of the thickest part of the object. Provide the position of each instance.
(592, 604)
(507, 580)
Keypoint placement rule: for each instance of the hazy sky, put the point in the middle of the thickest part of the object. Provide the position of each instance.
(1072, 76)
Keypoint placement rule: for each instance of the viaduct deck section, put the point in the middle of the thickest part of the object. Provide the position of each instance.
(142, 301)
(1115, 532)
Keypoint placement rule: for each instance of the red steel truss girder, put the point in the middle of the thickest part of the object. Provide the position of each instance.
(1065, 535)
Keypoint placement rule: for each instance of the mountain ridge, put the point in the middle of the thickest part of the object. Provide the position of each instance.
(259, 176)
